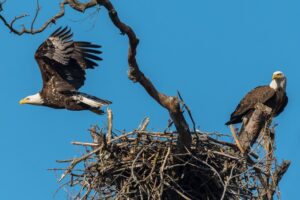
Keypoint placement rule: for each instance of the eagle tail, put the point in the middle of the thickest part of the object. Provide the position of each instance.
(92, 101)
(233, 120)
(97, 111)
(228, 123)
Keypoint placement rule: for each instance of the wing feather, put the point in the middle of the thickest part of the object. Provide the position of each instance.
(87, 44)
(66, 59)
(261, 94)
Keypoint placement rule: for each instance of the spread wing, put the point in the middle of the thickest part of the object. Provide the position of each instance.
(64, 61)
(259, 94)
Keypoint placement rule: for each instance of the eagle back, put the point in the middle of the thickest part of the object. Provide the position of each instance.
(261, 94)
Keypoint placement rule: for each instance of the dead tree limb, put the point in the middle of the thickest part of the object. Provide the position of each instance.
(171, 103)
(254, 125)
(31, 30)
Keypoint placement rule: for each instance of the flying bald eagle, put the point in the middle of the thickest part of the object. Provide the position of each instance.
(62, 63)
(273, 96)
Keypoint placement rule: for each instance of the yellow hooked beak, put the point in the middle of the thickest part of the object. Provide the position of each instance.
(277, 76)
(23, 101)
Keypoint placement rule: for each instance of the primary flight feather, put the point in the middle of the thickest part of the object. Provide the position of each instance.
(62, 63)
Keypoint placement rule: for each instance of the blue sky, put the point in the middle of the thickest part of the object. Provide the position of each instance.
(213, 52)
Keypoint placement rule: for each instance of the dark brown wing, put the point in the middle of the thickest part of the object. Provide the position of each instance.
(64, 61)
(282, 101)
(261, 94)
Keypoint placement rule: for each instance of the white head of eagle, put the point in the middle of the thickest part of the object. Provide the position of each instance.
(62, 63)
(272, 95)
(278, 80)
(35, 99)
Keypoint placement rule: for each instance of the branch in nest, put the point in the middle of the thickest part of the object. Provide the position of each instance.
(76, 161)
(109, 124)
(237, 142)
(144, 124)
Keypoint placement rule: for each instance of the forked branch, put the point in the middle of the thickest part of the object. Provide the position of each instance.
(76, 5)
(171, 103)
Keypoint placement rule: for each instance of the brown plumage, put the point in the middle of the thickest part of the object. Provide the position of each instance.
(273, 96)
(62, 63)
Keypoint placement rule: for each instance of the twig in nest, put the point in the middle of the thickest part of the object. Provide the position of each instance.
(227, 182)
(109, 124)
(76, 161)
(188, 110)
(144, 124)
(236, 139)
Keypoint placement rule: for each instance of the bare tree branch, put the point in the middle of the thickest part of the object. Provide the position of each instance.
(171, 103)
(81, 7)
(24, 30)
(1, 5)
(72, 3)
(188, 110)
(38, 8)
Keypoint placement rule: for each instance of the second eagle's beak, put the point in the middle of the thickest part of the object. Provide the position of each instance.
(23, 101)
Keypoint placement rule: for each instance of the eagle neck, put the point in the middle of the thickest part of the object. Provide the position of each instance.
(36, 99)
(276, 84)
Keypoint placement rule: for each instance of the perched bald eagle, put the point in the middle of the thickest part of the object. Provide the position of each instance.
(273, 96)
(62, 63)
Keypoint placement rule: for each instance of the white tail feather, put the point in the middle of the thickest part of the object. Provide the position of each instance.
(91, 102)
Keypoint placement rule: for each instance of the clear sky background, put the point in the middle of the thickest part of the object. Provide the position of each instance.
(212, 51)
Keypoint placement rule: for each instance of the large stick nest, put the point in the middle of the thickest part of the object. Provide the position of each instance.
(147, 165)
